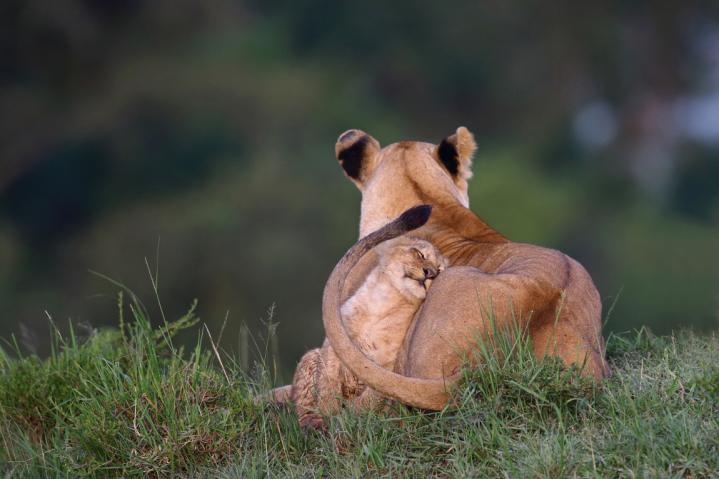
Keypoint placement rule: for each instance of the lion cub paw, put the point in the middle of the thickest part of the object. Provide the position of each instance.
(312, 422)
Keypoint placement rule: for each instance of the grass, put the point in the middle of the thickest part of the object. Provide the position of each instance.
(128, 403)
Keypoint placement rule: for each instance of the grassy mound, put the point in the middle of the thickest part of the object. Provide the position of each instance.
(127, 403)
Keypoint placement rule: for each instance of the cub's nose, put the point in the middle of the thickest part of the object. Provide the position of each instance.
(430, 272)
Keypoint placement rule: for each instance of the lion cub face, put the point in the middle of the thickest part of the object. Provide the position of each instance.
(411, 264)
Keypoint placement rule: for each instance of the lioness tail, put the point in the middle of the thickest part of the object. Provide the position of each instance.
(423, 393)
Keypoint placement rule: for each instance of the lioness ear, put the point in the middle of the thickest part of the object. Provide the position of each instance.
(357, 152)
(455, 153)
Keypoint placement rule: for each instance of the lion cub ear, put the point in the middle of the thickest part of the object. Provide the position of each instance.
(455, 152)
(357, 153)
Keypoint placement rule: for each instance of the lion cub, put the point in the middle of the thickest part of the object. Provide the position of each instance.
(377, 317)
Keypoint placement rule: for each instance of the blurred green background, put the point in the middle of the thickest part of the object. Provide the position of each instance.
(210, 126)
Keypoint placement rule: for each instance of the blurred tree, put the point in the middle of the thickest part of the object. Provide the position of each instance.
(211, 125)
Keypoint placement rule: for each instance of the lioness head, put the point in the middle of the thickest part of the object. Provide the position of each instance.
(405, 174)
(411, 264)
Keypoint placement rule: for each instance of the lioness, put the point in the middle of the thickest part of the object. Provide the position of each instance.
(377, 317)
(550, 293)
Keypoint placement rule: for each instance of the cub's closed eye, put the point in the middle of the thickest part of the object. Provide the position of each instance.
(418, 253)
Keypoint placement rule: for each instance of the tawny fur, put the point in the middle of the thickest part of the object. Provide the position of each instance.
(377, 316)
(491, 281)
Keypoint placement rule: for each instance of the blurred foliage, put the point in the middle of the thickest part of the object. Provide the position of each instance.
(208, 127)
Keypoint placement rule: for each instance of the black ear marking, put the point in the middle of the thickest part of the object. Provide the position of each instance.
(351, 157)
(447, 153)
(357, 154)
